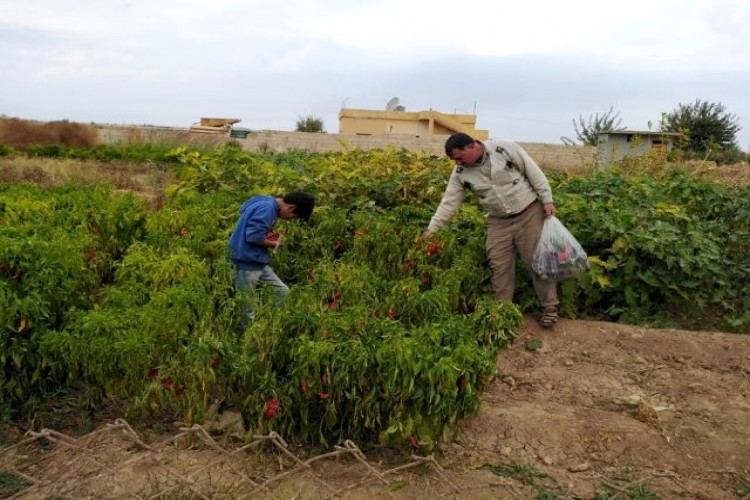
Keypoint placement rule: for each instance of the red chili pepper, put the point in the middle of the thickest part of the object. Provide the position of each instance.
(407, 266)
(304, 386)
(272, 408)
(166, 384)
(392, 313)
(413, 441)
(434, 249)
(323, 395)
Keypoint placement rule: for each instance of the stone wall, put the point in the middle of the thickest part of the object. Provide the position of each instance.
(548, 156)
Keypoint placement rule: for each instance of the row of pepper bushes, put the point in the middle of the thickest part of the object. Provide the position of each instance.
(116, 302)
(382, 338)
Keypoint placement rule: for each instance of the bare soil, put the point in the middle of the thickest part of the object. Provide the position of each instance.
(608, 404)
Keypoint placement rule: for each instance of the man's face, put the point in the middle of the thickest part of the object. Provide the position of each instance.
(467, 155)
(286, 212)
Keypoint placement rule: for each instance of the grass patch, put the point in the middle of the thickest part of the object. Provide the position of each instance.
(11, 484)
(545, 485)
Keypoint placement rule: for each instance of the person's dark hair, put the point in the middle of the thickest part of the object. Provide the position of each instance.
(303, 203)
(459, 140)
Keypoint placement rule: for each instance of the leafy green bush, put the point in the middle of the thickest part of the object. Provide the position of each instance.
(663, 249)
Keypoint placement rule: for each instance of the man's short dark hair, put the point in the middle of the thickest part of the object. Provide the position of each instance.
(459, 140)
(303, 203)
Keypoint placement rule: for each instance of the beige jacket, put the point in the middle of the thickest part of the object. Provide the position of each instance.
(515, 181)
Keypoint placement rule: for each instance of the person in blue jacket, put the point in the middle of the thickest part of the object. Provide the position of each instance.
(253, 237)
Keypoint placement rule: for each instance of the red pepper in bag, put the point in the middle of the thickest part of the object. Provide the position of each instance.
(558, 255)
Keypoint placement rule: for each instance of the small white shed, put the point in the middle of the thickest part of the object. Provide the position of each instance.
(614, 145)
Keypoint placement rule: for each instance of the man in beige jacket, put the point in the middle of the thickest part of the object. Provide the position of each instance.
(517, 197)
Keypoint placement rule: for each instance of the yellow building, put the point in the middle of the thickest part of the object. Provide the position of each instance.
(425, 124)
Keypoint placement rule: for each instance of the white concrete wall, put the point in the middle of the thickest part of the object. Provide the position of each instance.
(548, 156)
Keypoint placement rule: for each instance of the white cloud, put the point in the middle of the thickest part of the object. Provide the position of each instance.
(169, 60)
(638, 32)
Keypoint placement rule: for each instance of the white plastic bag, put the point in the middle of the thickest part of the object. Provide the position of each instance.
(558, 255)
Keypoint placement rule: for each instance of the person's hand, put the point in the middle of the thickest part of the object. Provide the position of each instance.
(425, 236)
(549, 210)
(274, 240)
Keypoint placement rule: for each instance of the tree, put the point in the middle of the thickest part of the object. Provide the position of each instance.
(707, 128)
(310, 123)
(588, 133)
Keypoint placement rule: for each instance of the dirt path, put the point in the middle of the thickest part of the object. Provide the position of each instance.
(618, 404)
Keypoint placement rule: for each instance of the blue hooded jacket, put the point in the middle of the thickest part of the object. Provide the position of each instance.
(258, 215)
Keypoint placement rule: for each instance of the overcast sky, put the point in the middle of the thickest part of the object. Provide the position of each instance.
(528, 68)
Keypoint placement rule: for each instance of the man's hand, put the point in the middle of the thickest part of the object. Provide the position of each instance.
(549, 210)
(426, 236)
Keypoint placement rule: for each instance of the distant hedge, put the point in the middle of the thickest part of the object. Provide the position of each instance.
(21, 134)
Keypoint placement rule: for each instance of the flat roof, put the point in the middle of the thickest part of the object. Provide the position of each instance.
(637, 132)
